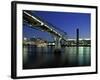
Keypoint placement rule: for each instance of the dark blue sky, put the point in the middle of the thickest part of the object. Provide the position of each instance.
(66, 21)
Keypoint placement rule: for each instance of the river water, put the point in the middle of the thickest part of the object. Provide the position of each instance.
(47, 57)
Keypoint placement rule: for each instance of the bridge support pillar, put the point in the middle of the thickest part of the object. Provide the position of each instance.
(57, 43)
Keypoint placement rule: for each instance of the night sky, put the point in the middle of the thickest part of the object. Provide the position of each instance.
(66, 21)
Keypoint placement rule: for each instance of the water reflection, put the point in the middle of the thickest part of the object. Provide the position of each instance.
(49, 57)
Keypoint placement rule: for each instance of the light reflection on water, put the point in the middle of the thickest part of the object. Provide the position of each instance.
(44, 57)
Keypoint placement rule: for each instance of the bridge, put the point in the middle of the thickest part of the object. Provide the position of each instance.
(36, 22)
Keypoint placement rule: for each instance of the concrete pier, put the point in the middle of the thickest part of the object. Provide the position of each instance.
(57, 42)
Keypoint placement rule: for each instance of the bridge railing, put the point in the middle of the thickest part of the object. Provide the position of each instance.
(58, 30)
(51, 25)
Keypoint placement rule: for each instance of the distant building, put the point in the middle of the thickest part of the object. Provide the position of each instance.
(82, 42)
(35, 41)
(25, 39)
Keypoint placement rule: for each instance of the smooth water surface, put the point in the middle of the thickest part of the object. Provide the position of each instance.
(48, 57)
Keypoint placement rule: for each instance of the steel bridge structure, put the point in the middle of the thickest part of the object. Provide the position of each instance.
(35, 21)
